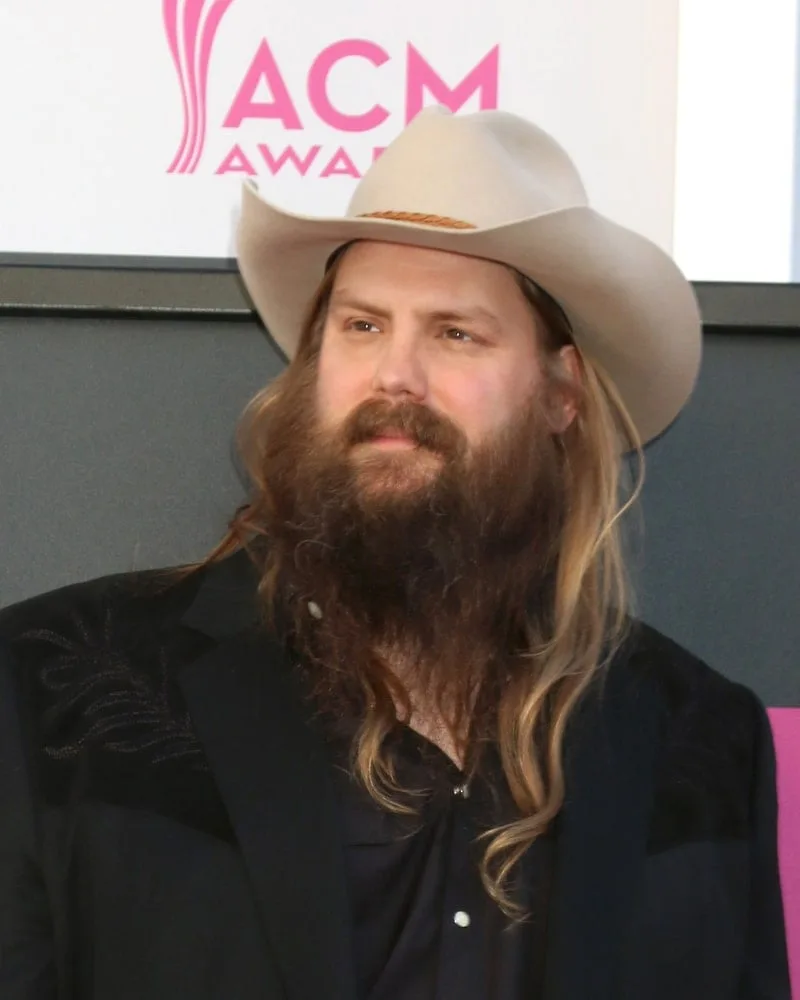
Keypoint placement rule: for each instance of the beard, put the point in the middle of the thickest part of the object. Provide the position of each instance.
(434, 556)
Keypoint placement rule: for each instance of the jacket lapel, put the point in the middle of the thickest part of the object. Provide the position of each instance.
(611, 748)
(271, 769)
(272, 773)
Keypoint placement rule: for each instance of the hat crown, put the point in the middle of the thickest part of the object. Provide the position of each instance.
(486, 169)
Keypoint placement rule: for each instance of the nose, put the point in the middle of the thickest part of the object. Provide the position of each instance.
(400, 370)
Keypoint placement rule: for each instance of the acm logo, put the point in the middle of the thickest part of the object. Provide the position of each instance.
(191, 27)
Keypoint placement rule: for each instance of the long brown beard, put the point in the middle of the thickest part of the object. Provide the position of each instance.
(440, 555)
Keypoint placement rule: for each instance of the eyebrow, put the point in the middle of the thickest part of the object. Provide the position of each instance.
(344, 300)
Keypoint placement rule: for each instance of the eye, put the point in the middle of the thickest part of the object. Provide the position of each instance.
(462, 336)
(361, 325)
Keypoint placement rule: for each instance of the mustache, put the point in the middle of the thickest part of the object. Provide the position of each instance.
(374, 418)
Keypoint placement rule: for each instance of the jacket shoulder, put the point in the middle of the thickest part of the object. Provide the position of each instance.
(95, 661)
(94, 670)
(686, 682)
(80, 609)
(715, 730)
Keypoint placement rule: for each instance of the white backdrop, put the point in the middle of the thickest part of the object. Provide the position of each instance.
(737, 120)
(98, 98)
(92, 114)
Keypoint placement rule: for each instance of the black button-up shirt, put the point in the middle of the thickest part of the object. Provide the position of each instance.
(424, 926)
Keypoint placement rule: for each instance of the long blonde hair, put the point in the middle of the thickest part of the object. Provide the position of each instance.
(590, 598)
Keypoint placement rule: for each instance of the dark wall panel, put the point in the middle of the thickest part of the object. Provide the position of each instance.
(117, 443)
(721, 548)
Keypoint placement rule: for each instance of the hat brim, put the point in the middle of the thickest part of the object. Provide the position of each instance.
(631, 309)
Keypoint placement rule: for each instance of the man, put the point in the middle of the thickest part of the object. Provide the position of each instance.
(398, 737)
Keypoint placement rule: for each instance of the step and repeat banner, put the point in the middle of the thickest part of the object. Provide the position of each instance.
(128, 128)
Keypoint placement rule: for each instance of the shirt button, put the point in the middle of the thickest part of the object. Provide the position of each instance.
(462, 790)
(461, 918)
(314, 609)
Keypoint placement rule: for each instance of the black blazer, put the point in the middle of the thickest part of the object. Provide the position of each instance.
(168, 828)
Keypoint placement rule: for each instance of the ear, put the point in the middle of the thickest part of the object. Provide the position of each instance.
(568, 378)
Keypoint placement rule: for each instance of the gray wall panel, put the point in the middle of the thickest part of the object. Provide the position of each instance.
(721, 551)
(117, 442)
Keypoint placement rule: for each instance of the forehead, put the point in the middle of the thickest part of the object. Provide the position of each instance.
(395, 269)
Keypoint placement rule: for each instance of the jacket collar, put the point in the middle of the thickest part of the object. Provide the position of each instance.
(224, 603)
(271, 769)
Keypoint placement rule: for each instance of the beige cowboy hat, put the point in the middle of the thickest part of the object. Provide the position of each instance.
(493, 185)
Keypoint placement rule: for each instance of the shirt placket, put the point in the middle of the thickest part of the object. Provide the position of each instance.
(461, 955)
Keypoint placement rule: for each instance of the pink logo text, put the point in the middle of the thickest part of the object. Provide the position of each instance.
(191, 27)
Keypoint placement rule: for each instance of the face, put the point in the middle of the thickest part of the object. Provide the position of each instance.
(448, 337)
(463, 513)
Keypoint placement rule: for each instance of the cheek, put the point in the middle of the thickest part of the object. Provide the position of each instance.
(479, 405)
(338, 388)
(486, 401)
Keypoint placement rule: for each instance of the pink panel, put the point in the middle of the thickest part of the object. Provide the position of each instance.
(786, 731)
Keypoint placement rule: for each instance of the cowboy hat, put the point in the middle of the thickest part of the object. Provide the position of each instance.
(493, 185)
